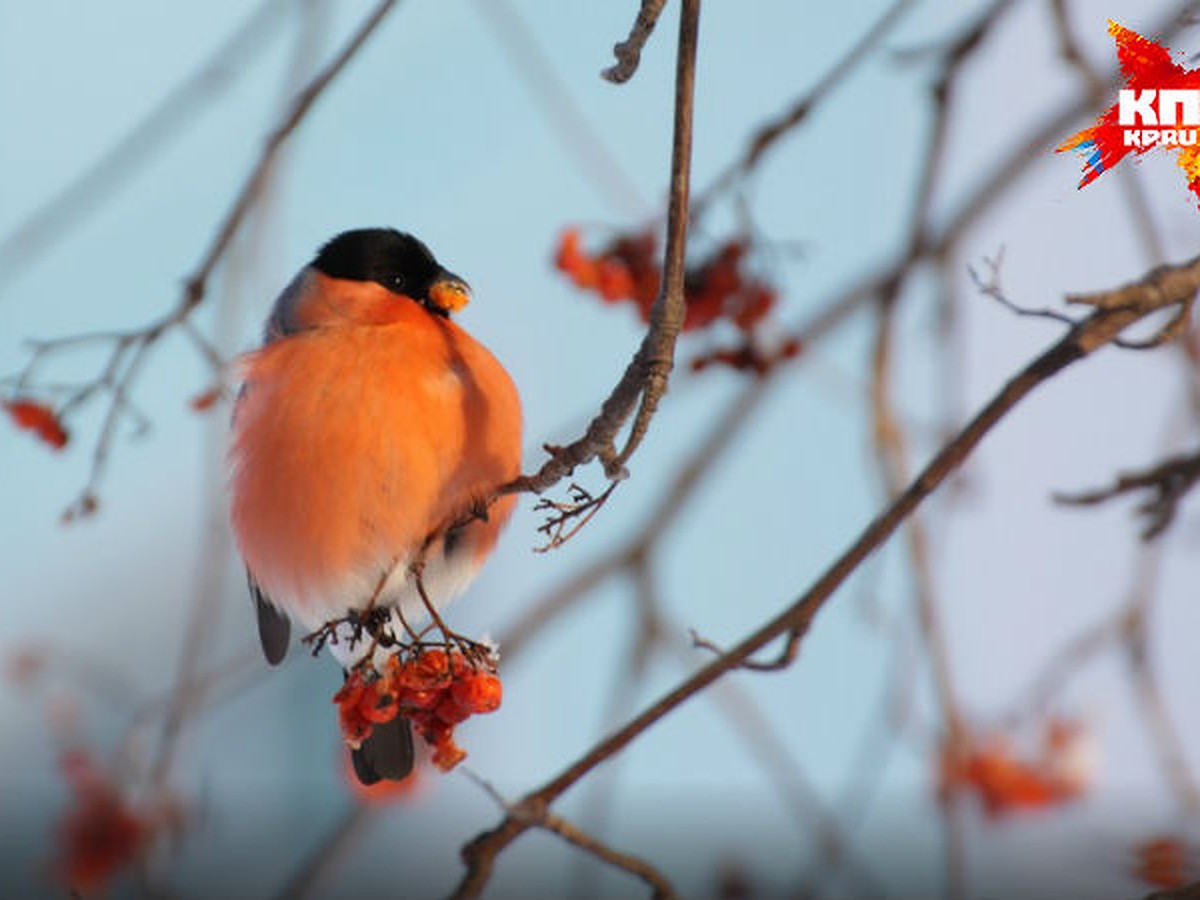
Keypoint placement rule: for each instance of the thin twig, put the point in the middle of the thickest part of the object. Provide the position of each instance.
(1168, 481)
(323, 858)
(990, 286)
(890, 443)
(647, 637)
(565, 518)
(892, 456)
(1072, 54)
(197, 283)
(585, 142)
(1165, 737)
(1064, 662)
(784, 659)
(766, 136)
(535, 816)
(658, 358)
(634, 865)
(755, 729)
(629, 51)
(182, 105)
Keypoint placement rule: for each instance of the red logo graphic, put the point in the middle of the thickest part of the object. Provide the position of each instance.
(1158, 108)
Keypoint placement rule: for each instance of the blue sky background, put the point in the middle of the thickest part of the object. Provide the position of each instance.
(432, 131)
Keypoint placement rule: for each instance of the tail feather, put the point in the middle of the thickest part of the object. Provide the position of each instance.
(387, 753)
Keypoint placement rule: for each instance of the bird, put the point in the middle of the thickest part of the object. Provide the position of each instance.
(369, 439)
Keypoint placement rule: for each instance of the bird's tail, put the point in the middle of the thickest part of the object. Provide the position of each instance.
(386, 753)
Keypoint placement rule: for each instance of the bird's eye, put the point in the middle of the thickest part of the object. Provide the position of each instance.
(397, 282)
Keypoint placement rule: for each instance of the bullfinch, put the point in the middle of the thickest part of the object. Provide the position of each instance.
(369, 434)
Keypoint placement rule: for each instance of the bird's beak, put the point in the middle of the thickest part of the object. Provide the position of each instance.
(449, 293)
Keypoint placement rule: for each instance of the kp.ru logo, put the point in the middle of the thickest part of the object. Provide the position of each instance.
(1150, 109)
(1158, 108)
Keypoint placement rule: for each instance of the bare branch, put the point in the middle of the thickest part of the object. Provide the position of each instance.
(1127, 628)
(1168, 481)
(632, 864)
(766, 136)
(1172, 751)
(538, 816)
(787, 655)
(990, 286)
(1068, 659)
(579, 510)
(1071, 52)
(244, 202)
(315, 867)
(892, 458)
(629, 51)
(1183, 892)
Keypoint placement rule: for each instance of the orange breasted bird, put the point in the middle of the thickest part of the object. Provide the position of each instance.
(369, 427)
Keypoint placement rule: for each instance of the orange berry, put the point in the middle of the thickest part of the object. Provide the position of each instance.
(791, 348)
(355, 727)
(480, 692)
(379, 706)
(351, 691)
(101, 834)
(447, 754)
(753, 305)
(451, 712)
(206, 400)
(419, 698)
(1162, 862)
(613, 280)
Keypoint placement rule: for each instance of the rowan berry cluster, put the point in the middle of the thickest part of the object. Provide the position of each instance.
(1007, 779)
(435, 689)
(38, 418)
(719, 288)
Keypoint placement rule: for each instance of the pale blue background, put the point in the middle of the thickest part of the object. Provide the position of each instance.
(432, 131)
